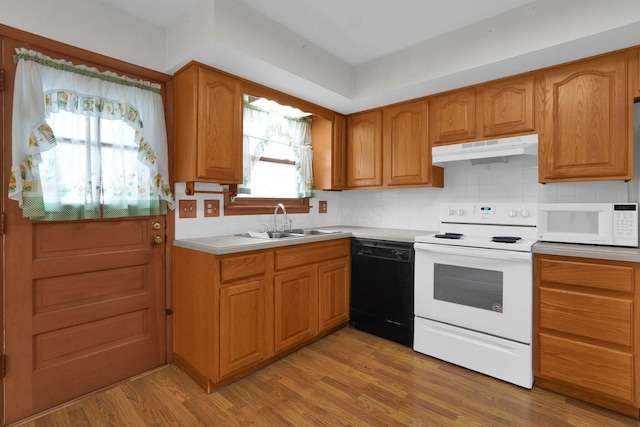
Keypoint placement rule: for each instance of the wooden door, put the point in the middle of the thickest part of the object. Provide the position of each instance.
(407, 157)
(84, 300)
(364, 149)
(586, 131)
(5, 137)
(453, 117)
(508, 107)
(296, 307)
(242, 326)
(334, 279)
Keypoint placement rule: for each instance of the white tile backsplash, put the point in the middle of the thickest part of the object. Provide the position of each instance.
(412, 208)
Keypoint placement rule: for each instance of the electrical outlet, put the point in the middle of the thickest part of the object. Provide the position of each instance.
(322, 206)
(187, 209)
(211, 208)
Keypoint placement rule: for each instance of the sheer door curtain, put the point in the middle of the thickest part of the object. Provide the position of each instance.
(86, 144)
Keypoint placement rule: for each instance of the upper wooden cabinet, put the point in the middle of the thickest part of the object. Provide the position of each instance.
(634, 73)
(407, 155)
(453, 116)
(586, 121)
(329, 152)
(501, 108)
(207, 126)
(364, 149)
(389, 147)
(507, 107)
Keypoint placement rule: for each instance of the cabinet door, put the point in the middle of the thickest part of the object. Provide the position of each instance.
(453, 117)
(339, 152)
(585, 122)
(634, 73)
(296, 307)
(364, 149)
(243, 323)
(508, 107)
(219, 151)
(329, 152)
(407, 157)
(605, 371)
(333, 293)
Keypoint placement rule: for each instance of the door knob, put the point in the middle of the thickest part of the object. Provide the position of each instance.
(157, 239)
(156, 225)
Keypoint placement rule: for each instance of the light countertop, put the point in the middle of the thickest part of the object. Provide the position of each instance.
(221, 245)
(614, 253)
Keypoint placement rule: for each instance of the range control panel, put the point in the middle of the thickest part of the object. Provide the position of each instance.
(489, 213)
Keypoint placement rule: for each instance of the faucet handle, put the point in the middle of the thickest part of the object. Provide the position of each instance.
(290, 224)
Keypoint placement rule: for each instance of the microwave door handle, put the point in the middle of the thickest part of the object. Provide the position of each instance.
(478, 253)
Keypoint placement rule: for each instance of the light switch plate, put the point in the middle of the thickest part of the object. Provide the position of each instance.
(187, 209)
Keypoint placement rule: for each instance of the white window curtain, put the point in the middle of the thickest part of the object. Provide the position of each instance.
(262, 127)
(86, 144)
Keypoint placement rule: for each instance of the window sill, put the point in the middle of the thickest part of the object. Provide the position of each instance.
(258, 206)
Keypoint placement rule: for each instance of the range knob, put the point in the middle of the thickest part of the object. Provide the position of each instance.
(460, 212)
(525, 213)
(513, 213)
(450, 212)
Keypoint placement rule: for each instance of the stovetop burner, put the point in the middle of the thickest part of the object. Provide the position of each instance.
(449, 235)
(505, 239)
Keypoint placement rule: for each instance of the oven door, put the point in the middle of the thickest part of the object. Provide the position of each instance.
(484, 290)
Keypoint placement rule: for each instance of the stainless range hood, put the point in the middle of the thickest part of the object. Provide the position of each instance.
(490, 151)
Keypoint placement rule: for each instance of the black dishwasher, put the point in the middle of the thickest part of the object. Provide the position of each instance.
(382, 289)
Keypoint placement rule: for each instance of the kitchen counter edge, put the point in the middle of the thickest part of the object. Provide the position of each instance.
(612, 253)
(221, 245)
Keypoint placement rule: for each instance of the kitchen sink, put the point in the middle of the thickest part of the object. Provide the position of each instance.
(310, 231)
(296, 232)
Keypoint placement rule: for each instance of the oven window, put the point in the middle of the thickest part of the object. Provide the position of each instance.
(472, 287)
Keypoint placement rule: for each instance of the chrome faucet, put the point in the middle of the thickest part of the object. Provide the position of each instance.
(275, 217)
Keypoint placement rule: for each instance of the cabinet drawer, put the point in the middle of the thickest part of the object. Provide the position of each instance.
(238, 266)
(602, 318)
(297, 255)
(609, 276)
(593, 368)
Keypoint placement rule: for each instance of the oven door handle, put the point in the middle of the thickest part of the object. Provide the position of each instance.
(474, 252)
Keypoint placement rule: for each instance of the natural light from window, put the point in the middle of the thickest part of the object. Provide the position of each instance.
(277, 143)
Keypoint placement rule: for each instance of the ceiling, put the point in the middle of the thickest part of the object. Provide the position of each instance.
(351, 55)
(353, 30)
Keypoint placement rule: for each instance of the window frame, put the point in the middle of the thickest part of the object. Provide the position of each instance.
(234, 205)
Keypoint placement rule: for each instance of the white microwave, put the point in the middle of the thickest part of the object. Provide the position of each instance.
(613, 224)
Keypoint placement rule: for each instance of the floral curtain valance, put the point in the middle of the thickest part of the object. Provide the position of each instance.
(268, 127)
(63, 165)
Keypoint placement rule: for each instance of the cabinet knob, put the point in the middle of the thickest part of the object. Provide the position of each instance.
(157, 239)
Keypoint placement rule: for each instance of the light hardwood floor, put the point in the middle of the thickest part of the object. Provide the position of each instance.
(348, 378)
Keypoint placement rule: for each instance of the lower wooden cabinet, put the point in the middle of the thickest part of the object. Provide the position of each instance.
(296, 307)
(236, 313)
(243, 326)
(586, 330)
(334, 291)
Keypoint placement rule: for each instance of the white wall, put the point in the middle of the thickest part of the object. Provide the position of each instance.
(417, 208)
(91, 25)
